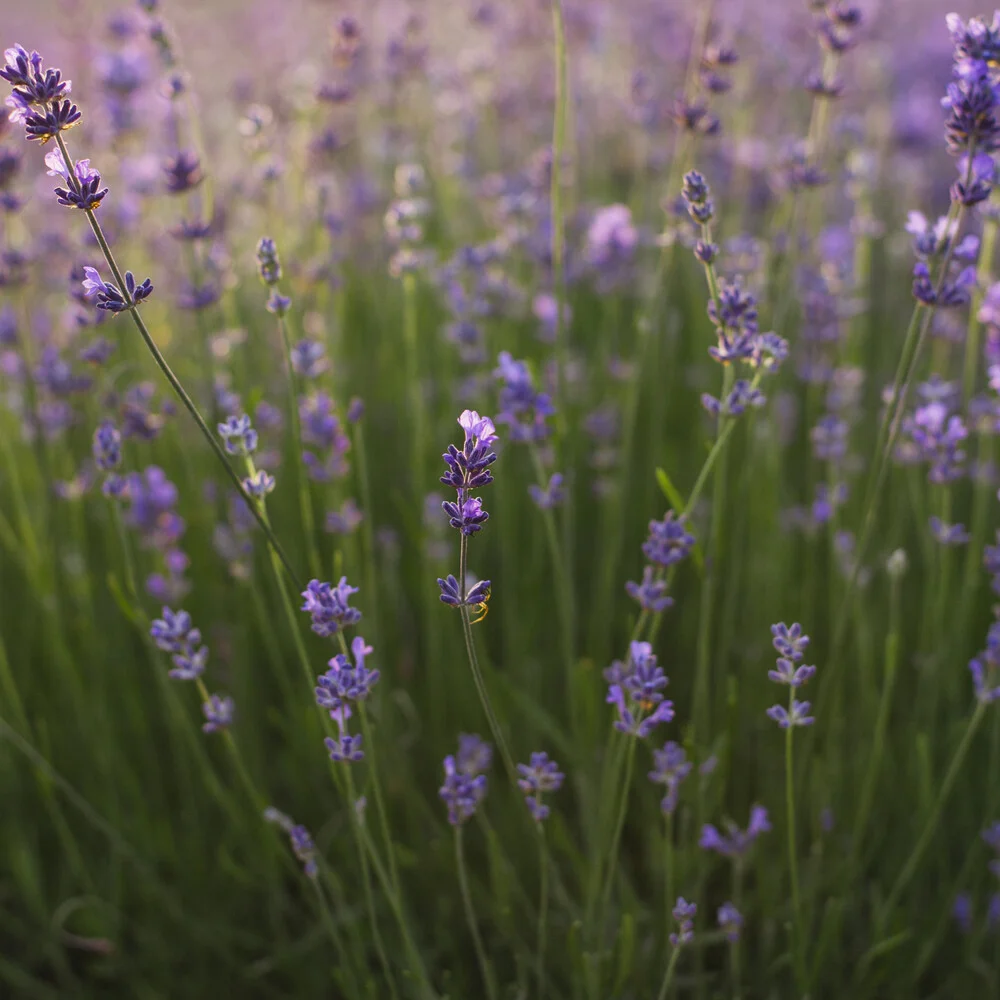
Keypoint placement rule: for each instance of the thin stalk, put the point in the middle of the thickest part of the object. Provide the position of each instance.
(477, 673)
(470, 917)
(984, 268)
(668, 975)
(555, 197)
(383, 814)
(930, 827)
(793, 858)
(616, 837)
(881, 725)
(305, 500)
(175, 383)
(543, 907)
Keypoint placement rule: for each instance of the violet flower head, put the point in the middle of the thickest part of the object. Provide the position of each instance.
(174, 634)
(669, 540)
(309, 359)
(948, 534)
(735, 842)
(985, 668)
(787, 673)
(83, 188)
(789, 641)
(238, 436)
(549, 496)
(259, 485)
(540, 776)
(468, 467)
(477, 597)
(108, 296)
(461, 792)
(34, 85)
(219, 712)
(636, 692)
(328, 606)
(346, 681)
(684, 913)
(796, 715)
(107, 446)
(730, 922)
(468, 516)
(650, 593)
(183, 172)
(346, 520)
(523, 409)
(671, 767)
(475, 755)
(345, 748)
(698, 198)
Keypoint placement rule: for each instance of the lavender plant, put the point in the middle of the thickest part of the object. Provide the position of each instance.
(743, 371)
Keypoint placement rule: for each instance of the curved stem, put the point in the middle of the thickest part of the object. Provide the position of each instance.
(793, 858)
(175, 383)
(668, 976)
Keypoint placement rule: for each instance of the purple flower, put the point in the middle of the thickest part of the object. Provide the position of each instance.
(787, 673)
(109, 297)
(948, 534)
(346, 520)
(468, 468)
(540, 776)
(259, 484)
(651, 593)
(23, 71)
(345, 748)
(669, 540)
(477, 597)
(547, 497)
(684, 913)
(219, 713)
(268, 263)
(736, 842)
(84, 189)
(174, 633)
(523, 409)
(183, 172)
(345, 681)
(797, 716)
(238, 436)
(697, 198)
(475, 755)
(636, 693)
(107, 446)
(671, 767)
(308, 358)
(789, 640)
(328, 606)
(730, 922)
(46, 123)
(461, 792)
(468, 515)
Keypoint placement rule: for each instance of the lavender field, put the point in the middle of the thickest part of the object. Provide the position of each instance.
(500, 500)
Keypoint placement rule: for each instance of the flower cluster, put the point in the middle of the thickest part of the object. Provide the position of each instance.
(468, 468)
(985, 668)
(345, 682)
(404, 220)
(174, 634)
(671, 767)
(464, 779)
(84, 189)
(523, 409)
(790, 643)
(300, 839)
(269, 268)
(735, 843)
(107, 452)
(635, 688)
(38, 100)
(151, 500)
(540, 776)
(323, 432)
(684, 913)
(109, 297)
(328, 606)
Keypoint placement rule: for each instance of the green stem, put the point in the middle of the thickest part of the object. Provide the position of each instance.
(668, 975)
(930, 827)
(612, 859)
(175, 383)
(470, 916)
(305, 500)
(383, 814)
(477, 673)
(555, 197)
(793, 858)
(543, 907)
